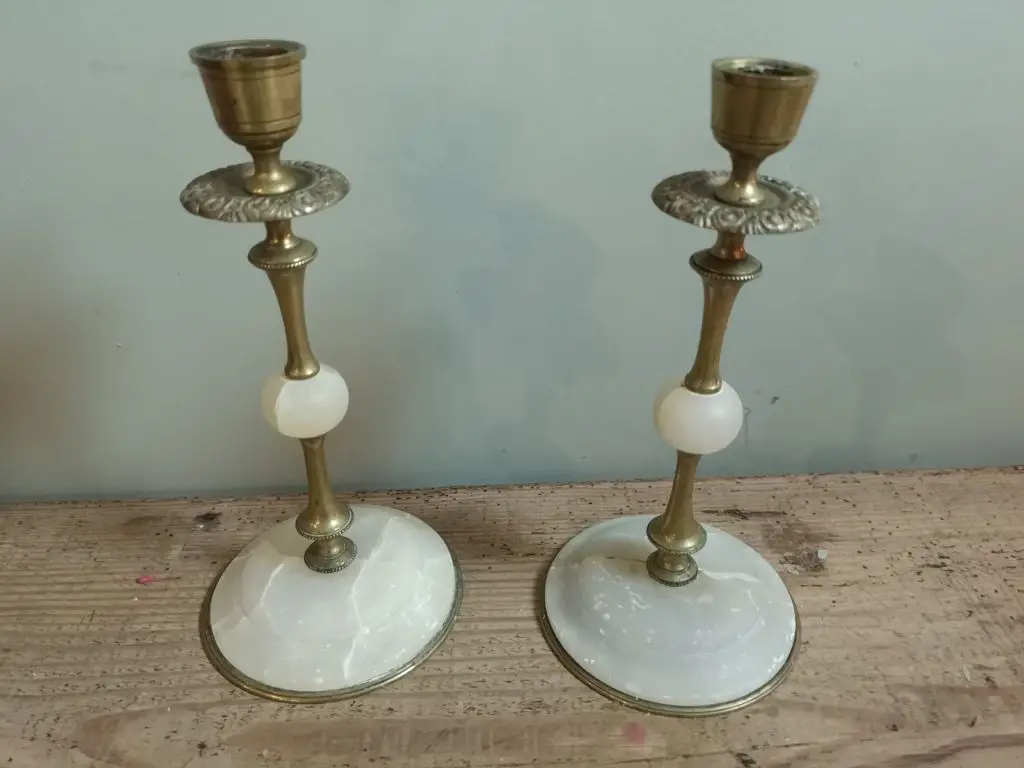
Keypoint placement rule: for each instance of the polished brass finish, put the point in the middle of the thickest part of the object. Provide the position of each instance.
(255, 90)
(756, 109)
(581, 674)
(240, 680)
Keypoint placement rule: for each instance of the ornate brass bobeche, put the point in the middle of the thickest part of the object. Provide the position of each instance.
(340, 648)
(702, 624)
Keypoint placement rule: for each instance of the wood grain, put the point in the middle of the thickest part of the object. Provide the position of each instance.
(912, 652)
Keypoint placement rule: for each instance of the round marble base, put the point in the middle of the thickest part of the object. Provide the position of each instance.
(278, 630)
(717, 644)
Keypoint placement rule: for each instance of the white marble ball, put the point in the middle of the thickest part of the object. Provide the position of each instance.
(697, 423)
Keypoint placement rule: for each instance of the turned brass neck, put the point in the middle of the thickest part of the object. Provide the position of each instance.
(730, 246)
(284, 256)
(269, 175)
(280, 237)
(742, 188)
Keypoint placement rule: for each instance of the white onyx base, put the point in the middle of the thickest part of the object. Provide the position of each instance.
(277, 629)
(714, 645)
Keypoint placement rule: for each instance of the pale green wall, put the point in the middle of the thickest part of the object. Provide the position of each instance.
(498, 290)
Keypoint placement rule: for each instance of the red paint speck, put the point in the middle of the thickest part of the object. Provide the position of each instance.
(145, 580)
(635, 734)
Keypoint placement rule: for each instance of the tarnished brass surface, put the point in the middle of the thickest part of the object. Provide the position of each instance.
(255, 91)
(756, 109)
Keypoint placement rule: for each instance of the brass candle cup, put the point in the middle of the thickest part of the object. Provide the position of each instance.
(255, 91)
(756, 109)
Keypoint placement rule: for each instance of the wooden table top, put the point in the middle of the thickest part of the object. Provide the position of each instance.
(912, 653)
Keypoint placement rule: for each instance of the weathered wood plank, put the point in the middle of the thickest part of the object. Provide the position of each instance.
(912, 654)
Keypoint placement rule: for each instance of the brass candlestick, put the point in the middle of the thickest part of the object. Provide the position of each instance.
(703, 624)
(343, 598)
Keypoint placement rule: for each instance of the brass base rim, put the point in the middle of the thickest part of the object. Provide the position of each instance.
(243, 682)
(652, 707)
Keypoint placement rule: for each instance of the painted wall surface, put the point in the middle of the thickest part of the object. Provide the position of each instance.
(499, 291)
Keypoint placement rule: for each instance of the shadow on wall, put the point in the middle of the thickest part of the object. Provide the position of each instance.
(895, 332)
(495, 291)
(42, 392)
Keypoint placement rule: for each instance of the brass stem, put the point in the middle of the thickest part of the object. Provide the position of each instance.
(324, 519)
(677, 528)
(284, 256)
(742, 187)
(319, 484)
(744, 168)
(730, 246)
(719, 296)
(288, 286)
(280, 235)
(675, 533)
